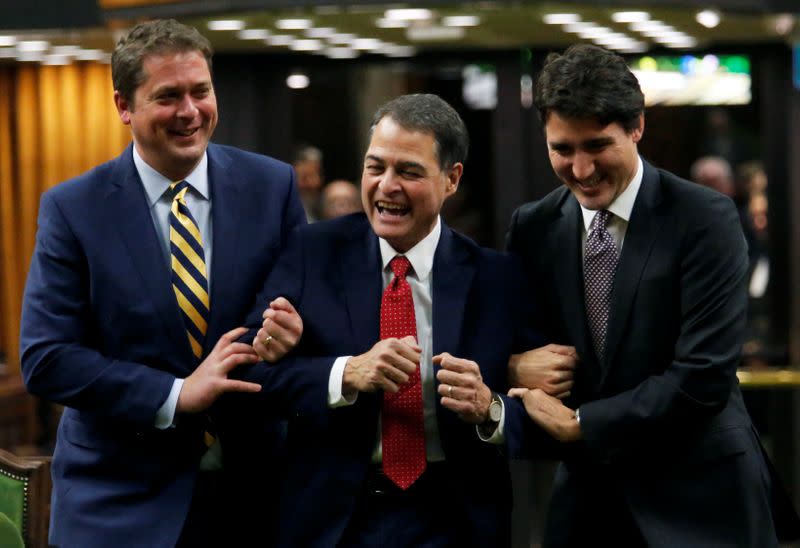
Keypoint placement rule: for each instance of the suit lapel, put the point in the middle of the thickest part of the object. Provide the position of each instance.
(129, 212)
(566, 247)
(228, 206)
(452, 279)
(639, 237)
(360, 273)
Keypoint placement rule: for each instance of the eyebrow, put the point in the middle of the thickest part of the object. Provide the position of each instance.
(400, 165)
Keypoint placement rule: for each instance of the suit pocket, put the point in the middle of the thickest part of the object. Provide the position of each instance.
(716, 445)
(87, 435)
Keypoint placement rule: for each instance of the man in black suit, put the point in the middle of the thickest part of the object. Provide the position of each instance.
(645, 274)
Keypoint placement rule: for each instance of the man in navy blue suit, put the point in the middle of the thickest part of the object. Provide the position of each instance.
(106, 329)
(345, 485)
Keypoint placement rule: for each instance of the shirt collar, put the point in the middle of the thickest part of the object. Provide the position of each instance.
(420, 256)
(623, 205)
(156, 184)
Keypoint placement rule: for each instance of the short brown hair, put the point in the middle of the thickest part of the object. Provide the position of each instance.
(152, 38)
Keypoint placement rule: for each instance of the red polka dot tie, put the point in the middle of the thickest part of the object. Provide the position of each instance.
(403, 429)
(599, 267)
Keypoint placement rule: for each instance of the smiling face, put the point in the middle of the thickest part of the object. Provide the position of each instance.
(174, 112)
(402, 186)
(596, 162)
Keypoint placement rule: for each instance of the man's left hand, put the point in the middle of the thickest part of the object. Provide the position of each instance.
(280, 332)
(462, 388)
(550, 414)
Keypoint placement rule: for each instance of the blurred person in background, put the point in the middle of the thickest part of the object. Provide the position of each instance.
(307, 163)
(339, 198)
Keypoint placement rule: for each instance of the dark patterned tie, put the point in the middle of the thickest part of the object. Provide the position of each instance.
(188, 269)
(403, 427)
(599, 266)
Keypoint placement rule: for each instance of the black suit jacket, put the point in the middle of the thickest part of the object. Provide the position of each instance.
(668, 442)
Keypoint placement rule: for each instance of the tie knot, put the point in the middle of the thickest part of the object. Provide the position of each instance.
(400, 265)
(179, 189)
(601, 219)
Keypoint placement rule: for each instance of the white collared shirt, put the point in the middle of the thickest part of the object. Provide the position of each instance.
(621, 207)
(420, 279)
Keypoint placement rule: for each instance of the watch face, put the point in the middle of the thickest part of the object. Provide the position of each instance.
(495, 410)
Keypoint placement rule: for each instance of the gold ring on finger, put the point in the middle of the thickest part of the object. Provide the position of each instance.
(450, 391)
(268, 340)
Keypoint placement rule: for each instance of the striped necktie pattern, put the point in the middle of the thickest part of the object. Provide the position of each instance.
(188, 268)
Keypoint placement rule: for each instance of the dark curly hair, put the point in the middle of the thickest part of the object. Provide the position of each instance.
(589, 82)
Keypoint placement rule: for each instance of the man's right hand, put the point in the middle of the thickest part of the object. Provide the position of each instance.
(385, 367)
(550, 368)
(210, 380)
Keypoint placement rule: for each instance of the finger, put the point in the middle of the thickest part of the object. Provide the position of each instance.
(236, 348)
(456, 379)
(232, 335)
(563, 395)
(563, 350)
(394, 375)
(459, 365)
(387, 385)
(403, 363)
(287, 320)
(412, 342)
(282, 303)
(403, 354)
(437, 359)
(231, 362)
(240, 386)
(517, 392)
(261, 349)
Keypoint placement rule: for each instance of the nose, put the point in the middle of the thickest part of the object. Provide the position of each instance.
(389, 181)
(186, 107)
(582, 166)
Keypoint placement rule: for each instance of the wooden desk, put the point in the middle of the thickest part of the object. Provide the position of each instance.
(788, 377)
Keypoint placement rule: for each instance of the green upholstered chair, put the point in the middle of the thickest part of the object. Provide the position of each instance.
(10, 537)
(25, 486)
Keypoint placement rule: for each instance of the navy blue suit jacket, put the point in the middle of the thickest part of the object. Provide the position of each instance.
(667, 438)
(331, 272)
(102, 334)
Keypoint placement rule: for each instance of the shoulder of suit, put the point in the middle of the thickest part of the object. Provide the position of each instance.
(543, 209)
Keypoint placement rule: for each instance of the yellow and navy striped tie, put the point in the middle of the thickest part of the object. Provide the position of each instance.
(188, 268)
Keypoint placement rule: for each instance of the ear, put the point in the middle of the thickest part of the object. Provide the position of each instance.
(453, 178)
(123, 108)
(638, 132)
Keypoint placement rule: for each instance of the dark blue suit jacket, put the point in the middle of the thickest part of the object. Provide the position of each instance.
(331, 272)
(667, 438)
(102, 334)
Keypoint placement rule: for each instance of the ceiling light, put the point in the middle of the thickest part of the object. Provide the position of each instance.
(598, 32)
(297, 81)
(6, 41)
(561, 18)
(630, 16)
(687, 42)
(434, 33)
(579, 27)
(56, 59)
(30, 56)
(320, 32)
(384, 23)
(27, 46)
(226, 24)
(783, 22)
(253, 34)
(65, 50)
(279, 40)
(306, 45)
(8, 53)
(342, 38)
(293, 24)
(409, 14)
(400, 51)
(650, 26)
(90, 55)
(708, 18)
(341, 53)
(461, 21)
(366, 43)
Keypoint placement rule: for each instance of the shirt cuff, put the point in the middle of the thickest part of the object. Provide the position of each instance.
(165, 416)
(335, 396)
(497, 437)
